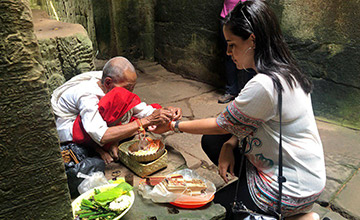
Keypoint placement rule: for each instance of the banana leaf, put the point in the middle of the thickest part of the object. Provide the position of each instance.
(110, 195)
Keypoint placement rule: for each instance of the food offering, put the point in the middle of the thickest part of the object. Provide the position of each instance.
(143, 159)
(110, 201)
(184, 188)
(146, 150)
(177, 184)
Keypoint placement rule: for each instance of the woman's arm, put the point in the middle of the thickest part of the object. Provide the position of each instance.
(200, 126)
(226, 157)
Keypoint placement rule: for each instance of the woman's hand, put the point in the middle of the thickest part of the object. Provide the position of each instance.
(159, 129)
(226, 158)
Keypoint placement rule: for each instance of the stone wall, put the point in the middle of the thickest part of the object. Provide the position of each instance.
(33, 184)
(131, 29)
(115, 27)
(323, 35)
(187, 38)
(184, 37)
(325, 38)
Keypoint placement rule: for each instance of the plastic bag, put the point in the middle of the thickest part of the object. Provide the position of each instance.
(88, 165)
(158, 195)
(91, 181)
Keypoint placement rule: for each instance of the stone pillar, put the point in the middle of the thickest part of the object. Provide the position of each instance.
(33, 184)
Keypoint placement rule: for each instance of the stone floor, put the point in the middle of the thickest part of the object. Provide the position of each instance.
(199, 100)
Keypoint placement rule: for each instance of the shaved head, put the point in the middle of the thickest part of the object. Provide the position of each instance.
(115, 69)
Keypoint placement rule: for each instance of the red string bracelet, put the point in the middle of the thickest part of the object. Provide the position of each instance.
(170, 125)
(141, 128)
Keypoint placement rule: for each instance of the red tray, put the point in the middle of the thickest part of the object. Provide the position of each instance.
(191, 204)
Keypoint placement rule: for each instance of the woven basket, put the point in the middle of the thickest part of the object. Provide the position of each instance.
(146, 157)
(141, 169)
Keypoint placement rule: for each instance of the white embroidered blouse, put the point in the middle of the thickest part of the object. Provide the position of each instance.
(255, 113)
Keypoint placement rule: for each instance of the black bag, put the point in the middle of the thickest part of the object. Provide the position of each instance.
(238, 208)
(81, 163)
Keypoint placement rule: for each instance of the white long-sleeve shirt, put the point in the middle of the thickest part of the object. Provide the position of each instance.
(80, 96)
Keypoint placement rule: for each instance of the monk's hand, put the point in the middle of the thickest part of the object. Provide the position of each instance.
(177, 112)
(227, 159)
(160, 116)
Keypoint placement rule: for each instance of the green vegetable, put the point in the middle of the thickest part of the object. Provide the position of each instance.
(84, 207)
(87, 203)
(97, 191)
(108, 196)
(82, 211)
(97, 206)
(88, 214)
(102, 215)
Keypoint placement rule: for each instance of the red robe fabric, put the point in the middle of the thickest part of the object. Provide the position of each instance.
(112, 107)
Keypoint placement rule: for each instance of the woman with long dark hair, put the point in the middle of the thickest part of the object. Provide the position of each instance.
(256, 44)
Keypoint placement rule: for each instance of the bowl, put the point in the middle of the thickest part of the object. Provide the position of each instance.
(86, 195)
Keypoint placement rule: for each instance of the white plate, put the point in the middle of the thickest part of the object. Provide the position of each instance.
(77, 202)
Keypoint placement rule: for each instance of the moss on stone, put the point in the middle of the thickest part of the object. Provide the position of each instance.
(30, 156)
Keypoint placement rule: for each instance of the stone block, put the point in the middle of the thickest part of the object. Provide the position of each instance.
(336, 102)
(331, 189)
(206, 105)
(76, 12)
(194, 13)
(326, 212)
(32, 177)
(340, 144)
(66, 49)
(154, 92)
(199, 40)
(131, 31)
(187, 62)
(337, 171)
(346, 201)
(326, 52)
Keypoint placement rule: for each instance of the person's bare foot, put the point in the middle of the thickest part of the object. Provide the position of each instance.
(105, 155)
(114, 152)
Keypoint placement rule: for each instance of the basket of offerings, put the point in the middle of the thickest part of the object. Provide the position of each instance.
(146, 164)
(151, 150)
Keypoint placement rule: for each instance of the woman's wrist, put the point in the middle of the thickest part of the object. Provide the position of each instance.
(176, 128)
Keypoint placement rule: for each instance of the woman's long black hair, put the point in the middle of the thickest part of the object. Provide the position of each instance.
(272, 54)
